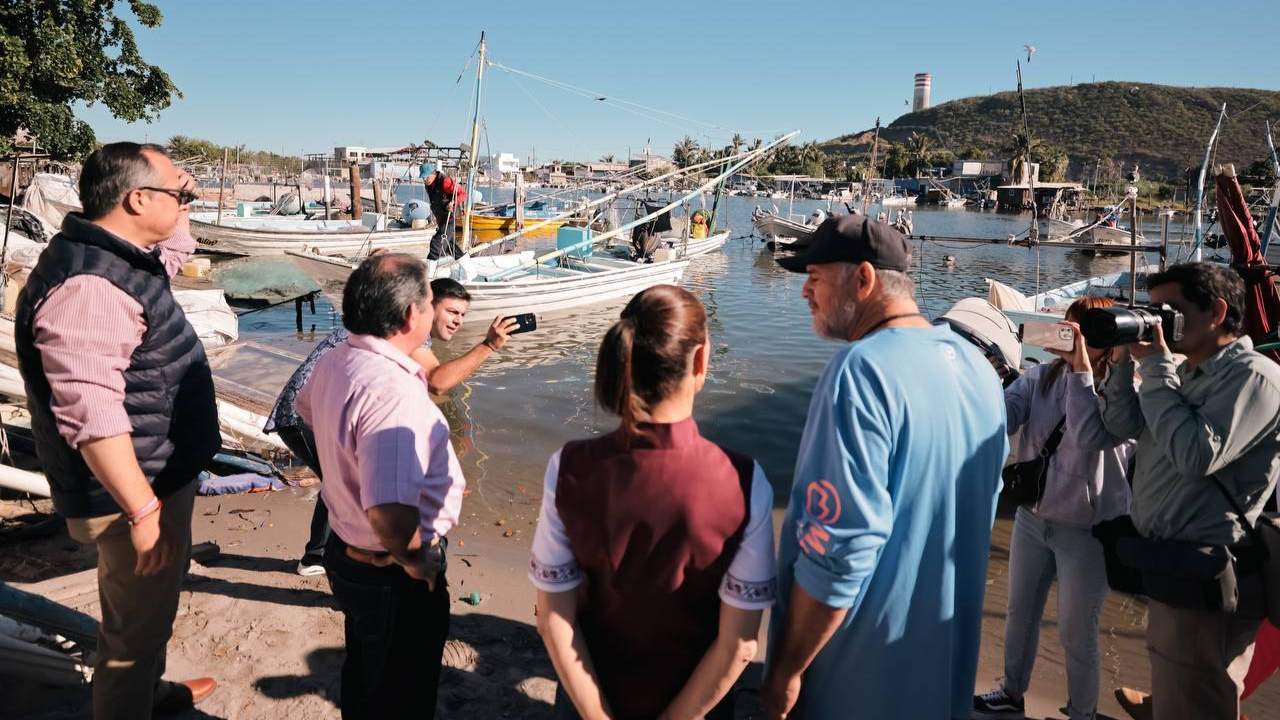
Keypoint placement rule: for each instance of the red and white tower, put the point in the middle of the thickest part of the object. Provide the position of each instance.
(924, 82)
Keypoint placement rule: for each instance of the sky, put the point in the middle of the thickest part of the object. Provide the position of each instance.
(303, 77)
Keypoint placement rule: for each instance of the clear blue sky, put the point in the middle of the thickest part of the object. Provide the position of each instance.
(306, 76)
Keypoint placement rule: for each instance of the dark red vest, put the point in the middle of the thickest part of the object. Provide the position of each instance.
(654, 528)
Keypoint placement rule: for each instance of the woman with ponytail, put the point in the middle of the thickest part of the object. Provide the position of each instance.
(653, 557)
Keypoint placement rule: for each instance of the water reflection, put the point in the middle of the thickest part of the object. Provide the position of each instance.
(534, 396)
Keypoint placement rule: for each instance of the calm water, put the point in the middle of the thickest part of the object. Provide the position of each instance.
(523, 404)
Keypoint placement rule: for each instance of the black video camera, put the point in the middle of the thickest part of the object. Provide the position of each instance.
(1109, 327)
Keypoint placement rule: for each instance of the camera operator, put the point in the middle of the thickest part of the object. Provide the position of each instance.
(1214, 416)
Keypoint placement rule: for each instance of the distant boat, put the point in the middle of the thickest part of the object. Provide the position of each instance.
(543, 221)
(793, 230)
(520, 286)
(1097, 235)
(273, 235)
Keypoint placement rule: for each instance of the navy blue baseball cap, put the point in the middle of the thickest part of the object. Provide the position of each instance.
(853, 239)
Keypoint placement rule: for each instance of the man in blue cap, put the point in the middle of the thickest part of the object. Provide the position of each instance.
(883, 556)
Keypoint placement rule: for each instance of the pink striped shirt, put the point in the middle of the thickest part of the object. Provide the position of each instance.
(380, 440)
(86, 331)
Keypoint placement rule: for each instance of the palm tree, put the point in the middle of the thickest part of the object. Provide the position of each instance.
(811, 157)
(606, 158)
(1023, 145)
(737, 142)
(684, 152)
(919, 152)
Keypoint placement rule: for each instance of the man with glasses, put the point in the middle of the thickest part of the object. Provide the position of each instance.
(122, 410)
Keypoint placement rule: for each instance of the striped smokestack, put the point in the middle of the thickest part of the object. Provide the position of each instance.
(924, 81)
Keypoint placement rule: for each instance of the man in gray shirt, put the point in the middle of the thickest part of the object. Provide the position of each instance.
(1215, 415)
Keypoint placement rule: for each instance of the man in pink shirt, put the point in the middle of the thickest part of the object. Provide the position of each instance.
(393, 488)
(122, 410)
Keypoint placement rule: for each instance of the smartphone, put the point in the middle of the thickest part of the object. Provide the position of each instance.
(525, 322)
(1048, 335)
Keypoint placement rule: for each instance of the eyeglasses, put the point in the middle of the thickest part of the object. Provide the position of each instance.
(184, 197)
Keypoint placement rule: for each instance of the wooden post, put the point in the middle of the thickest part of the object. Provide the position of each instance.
(357, 198)
(222, 181)
(377, 196)
(1133, 240)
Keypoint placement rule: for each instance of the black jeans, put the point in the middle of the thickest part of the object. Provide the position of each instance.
(442, 241)
(395, 630)
(302, 443)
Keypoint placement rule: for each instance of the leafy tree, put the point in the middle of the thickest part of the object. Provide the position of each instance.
(606, 158)
(55, 53)
(1262, 172)
(1020, 150)
(1053, 162)
(919, 153)
(685, 152)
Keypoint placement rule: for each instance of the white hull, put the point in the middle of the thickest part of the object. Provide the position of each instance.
(896, 200)
(342, 237)
(542, 290)
(774, 227)
(698, 248)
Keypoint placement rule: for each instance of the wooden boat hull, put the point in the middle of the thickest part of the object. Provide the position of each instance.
(492, 227)
(232, 240)
(543, 290)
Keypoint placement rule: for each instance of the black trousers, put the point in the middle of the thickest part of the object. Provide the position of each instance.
(442, 241)
(395, 630)
(302, 443)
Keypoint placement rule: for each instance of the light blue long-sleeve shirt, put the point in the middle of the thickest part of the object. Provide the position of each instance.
(890, 517)
(1086, 483)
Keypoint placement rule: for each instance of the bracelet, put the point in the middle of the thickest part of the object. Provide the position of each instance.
(146, 510)
(488, 344)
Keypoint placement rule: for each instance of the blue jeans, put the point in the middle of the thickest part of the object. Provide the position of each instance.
(1042, 550)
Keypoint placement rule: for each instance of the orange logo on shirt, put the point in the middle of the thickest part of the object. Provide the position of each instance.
(822, 502)
(813, 539)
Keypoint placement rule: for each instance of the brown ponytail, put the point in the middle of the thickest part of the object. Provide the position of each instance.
(646, 352)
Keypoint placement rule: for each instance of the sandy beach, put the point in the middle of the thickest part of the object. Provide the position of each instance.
(274, 640)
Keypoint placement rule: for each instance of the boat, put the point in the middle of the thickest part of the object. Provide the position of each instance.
(543, 220)
(509, 284)
(792, 230)
(1095, 234)
(896, 200)
(273, 235)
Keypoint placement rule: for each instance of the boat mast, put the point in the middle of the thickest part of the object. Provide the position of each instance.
(1269, 225)
(871, 171)
(475, 138)
(1204, 169)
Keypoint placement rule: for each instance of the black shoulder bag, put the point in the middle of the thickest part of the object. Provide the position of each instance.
(1266, 541)
(1024, 482)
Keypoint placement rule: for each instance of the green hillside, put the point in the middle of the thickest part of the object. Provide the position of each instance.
(1161, 127)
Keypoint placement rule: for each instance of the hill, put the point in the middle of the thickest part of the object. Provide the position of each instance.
(1163, 128)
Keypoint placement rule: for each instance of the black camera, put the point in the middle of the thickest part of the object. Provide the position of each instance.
(1109, 327)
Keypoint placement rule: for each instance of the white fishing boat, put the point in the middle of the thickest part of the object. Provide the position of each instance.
(896, 200)
(792, 230)
(1097, 235)
(273, 235)
(697, 247)
(519, 285)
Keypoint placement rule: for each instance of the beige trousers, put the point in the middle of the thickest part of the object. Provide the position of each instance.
(1198, 662)
(137, 612)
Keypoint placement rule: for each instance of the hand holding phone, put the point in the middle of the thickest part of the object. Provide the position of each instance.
(1048, 335)
(525, 322)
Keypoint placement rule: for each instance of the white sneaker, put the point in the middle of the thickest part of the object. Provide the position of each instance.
(310, 570)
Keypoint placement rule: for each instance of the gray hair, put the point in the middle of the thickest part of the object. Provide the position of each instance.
(112, 172)
(895, 283)
(380, 292)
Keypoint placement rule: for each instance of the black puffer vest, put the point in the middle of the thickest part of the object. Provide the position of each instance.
(169, 392)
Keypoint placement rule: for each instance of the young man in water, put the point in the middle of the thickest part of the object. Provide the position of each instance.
(450, 301)
(883, 556)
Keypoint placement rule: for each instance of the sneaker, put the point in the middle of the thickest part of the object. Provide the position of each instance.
(307, 569)
(998, 704)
